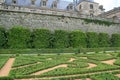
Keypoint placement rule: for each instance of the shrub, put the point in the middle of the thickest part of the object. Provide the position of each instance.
(118, 55)
(104, 40)
(18, 37)
(41, 38)
(77, 39)
(61, 39)
(3, 38)
(92, 40)
(6, 78)
(115, 40)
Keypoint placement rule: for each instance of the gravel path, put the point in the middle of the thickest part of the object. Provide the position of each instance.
(7, 67)
(110, 62)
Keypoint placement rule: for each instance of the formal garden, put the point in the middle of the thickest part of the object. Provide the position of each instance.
(41, 54)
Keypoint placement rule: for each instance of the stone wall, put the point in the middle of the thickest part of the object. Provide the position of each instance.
(9, 19)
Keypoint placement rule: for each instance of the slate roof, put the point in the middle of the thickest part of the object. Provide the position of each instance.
(62, 4)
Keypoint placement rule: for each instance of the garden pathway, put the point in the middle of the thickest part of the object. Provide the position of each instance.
(91, 65)
(110, 62)
(7, 67)
(84, 79)
(72, 59)
(118, 75)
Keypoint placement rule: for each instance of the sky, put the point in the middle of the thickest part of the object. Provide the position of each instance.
(108, 4)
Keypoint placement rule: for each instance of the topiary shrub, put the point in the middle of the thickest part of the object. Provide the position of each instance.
(3, 38)
(61, 39)
(115, 40)
(104, 40)
(92, 40)
(77, 39)
(41, 38)
(18, 37)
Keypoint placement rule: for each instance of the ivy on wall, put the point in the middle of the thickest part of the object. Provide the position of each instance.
(100, 22)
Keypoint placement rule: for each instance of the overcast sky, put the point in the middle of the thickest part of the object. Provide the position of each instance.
(108, 4)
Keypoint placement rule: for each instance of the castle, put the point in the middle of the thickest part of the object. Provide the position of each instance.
(57, 14)
(83, 7)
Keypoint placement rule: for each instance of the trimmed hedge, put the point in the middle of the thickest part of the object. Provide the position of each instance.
(18, 37)
(3, 38)
(115, 40)
(61, 39)
(6, 78)
(92, 40)
(104, 40)
(22, 38)
(41, 38)
(77, 39)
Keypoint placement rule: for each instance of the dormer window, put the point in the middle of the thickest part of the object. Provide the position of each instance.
(54, 5)
(70, 7)
(33, 2)
(14, 1)
(44, 3)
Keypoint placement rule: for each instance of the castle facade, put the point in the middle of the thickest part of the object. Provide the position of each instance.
(81, 7)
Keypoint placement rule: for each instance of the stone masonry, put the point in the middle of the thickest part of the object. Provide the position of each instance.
(9, 19)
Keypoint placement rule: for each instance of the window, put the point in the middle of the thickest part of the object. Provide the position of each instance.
(91, 6)
(33, 2)
(71, 7)
(44, 3)
(14, 1)
(91, 15)
(79, 7)
(54, 5)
